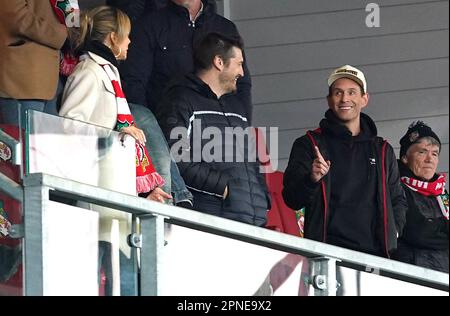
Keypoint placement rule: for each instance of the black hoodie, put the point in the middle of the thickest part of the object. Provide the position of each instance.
(360, 204)
(353, 175)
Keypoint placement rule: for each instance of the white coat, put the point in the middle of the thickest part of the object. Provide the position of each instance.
(89, 97)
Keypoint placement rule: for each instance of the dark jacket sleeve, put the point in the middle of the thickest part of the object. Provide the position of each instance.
(398, 197)
(298, 189)
(137, 69)
(175, 121)
(244, 86)
(244, 92)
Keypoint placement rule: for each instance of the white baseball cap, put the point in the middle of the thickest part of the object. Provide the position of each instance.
(349, 72)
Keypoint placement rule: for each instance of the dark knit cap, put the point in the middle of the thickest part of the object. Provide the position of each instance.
(416, 131)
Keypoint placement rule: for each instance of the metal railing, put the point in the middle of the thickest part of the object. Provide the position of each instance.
(152, 215)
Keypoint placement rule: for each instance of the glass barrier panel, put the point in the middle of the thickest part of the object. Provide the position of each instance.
(360, 283)
(81, 152)
(203, 264)
(86, 253)
(99, 157)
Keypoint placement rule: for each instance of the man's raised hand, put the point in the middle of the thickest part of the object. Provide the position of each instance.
(320, 167)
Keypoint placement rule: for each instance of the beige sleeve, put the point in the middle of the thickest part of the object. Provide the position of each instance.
(44, 29)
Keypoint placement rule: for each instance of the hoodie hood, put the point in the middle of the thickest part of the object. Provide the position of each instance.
(331, 124)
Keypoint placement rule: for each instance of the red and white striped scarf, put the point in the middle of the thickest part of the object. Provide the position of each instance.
(426, 188)
(66, 11)
(147, 178)
(434, 188)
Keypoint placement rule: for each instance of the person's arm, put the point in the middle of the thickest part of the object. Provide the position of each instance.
(398, 197)
(133, 8)
(244, 92)
(298, 187)
(244, 87)
(26, 23)
(200, 176)
(138, 67)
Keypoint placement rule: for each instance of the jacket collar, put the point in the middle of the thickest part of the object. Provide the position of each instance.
(103, 55)
(180, 10)
(191, 81)
(332, 125)
(98, 59)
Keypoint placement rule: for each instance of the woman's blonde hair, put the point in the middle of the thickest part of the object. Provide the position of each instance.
(98, 22)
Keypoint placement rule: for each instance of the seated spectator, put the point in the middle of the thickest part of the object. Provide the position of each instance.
(29, 32)
(87, 95)
(93, 94)
(144, 118)
(425, 237)
(223, 183)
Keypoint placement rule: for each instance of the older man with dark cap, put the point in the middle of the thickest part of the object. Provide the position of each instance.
(425, 236)
(345, 176)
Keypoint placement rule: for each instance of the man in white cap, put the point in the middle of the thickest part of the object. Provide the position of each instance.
(345, 176)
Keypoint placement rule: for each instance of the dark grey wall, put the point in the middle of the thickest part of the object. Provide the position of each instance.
(293, 45)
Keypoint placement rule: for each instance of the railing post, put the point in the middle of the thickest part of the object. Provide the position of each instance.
(323, 276)
(60, 245)
(152, 230)
(35, 198)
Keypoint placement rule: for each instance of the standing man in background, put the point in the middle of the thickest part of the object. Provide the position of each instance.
(162, 49)
(30, 41)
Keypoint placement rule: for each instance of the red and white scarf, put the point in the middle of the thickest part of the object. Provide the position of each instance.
(147, 178)
(435, 188)
(67, 11)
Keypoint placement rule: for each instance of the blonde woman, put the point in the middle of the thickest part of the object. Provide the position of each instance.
(93, 94)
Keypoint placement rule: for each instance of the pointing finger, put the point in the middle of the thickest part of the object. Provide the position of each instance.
(319, 155)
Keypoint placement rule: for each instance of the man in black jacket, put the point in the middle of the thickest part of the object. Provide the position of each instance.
(210, 137)
(162, 49)
(425, 238)
(345, 176)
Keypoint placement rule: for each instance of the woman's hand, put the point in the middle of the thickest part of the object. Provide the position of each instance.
(136, 133)
(159, 195)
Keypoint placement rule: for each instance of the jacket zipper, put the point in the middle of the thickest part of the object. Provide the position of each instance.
(383, 176)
